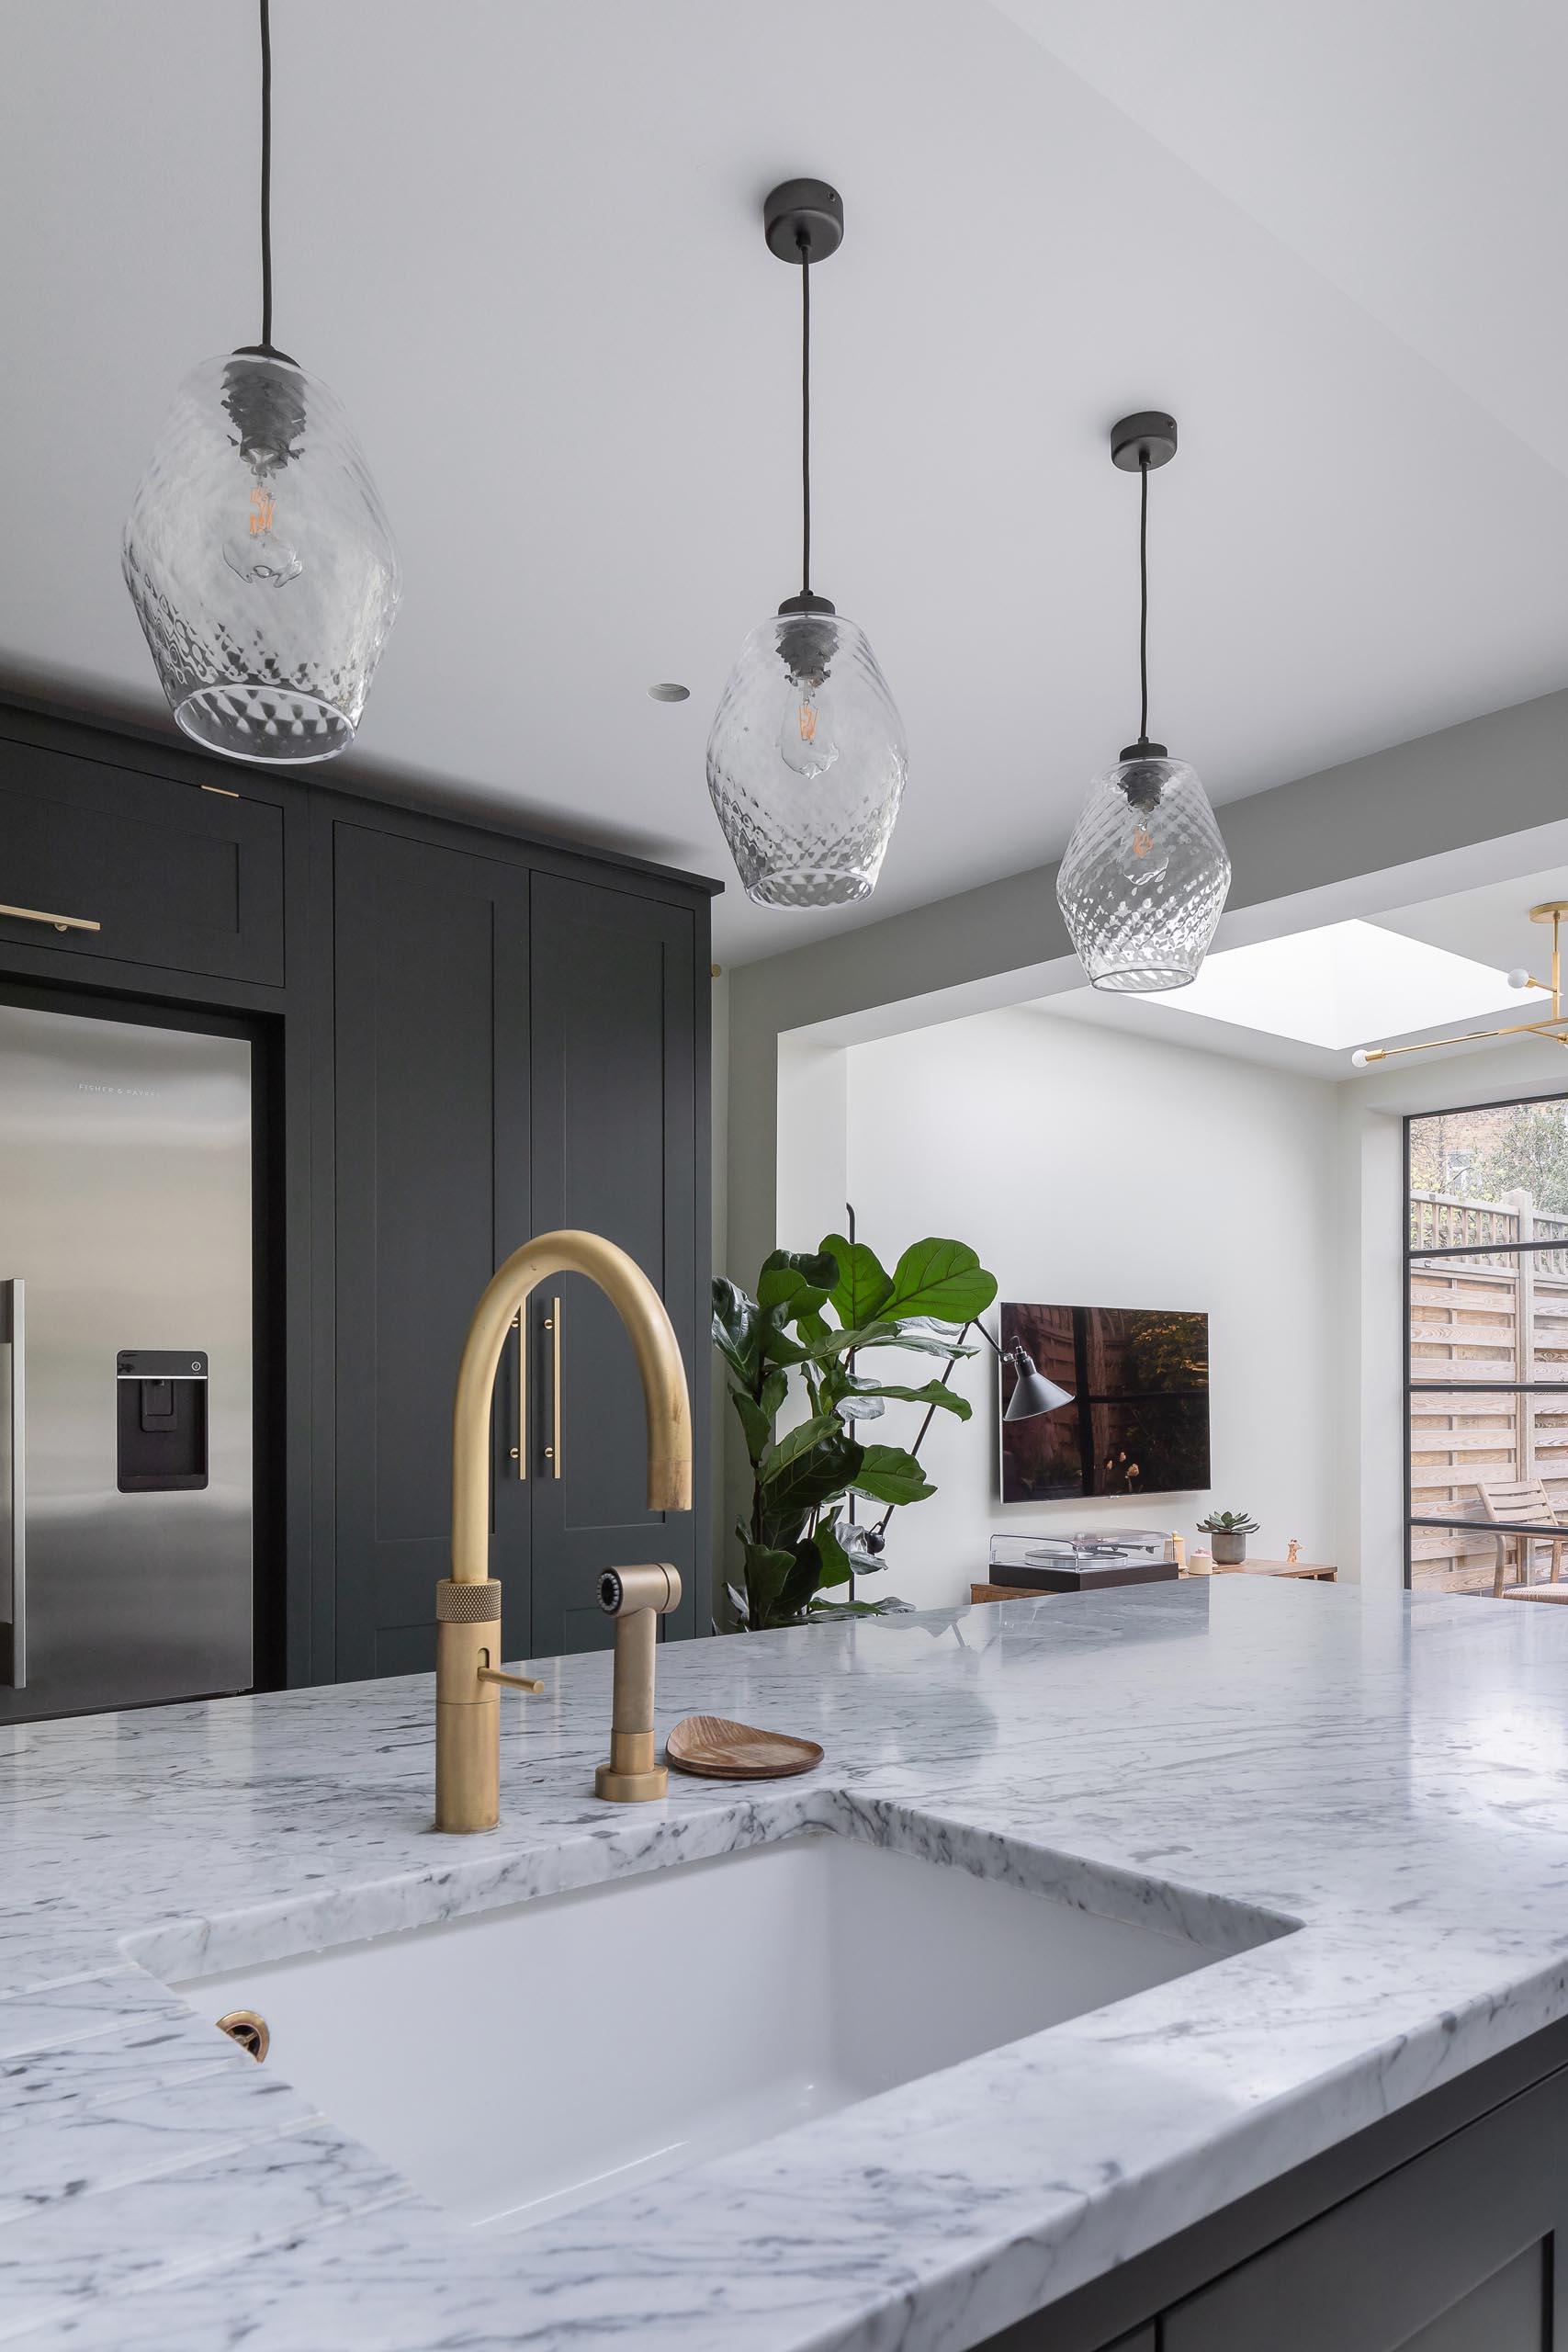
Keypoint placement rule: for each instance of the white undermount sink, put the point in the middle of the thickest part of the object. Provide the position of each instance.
(518, 2063)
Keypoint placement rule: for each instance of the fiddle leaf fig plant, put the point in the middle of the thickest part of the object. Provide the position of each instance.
(816, 1321)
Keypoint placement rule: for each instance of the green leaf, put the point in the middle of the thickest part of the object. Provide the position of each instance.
(944, 1279)
(933, 1393)
(777, 1347)
(802, 1580)
(923, 1342)
(835, 1562)
(757, 1425)
(888, 1474)
(809, 1465)
(793, 1283)
(797, 1440)
(766, 1569)
(758, 1414)
(737, 1332)
(862, 1286)
(867, 1334)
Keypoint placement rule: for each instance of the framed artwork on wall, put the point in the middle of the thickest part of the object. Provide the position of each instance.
(1134, 1415)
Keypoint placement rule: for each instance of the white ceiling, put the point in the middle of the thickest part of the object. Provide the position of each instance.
(523, 243)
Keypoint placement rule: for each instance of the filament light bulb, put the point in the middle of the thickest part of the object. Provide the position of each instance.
(1141, 848)
(1142, 855)
(257, 553)
(806, 732)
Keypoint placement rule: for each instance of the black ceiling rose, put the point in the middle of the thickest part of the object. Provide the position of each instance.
(804, 220)
(1145, 439)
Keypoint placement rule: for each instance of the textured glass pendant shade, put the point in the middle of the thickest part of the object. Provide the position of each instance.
(260, 563)
(1146, 875)
(807, 761)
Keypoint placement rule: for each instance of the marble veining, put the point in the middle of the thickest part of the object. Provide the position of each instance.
(1358, 1806)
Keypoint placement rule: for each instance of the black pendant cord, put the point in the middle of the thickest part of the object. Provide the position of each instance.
(804, 410)
(265, 349)
(266, 174)
(1143, 592)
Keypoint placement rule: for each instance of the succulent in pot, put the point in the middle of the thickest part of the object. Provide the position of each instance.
(1228, 1531)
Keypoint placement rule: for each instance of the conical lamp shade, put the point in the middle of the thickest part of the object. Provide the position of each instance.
(260, 563)
(1033, 1393)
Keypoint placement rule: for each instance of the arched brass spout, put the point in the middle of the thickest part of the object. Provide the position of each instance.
(467, 1603)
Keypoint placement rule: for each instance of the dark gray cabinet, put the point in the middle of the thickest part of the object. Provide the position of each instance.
(614, 1133)
(400, 975)
(1436, 2230)
(1452, 2252)
(185, 875)
(430, 1054)
(514, 1051)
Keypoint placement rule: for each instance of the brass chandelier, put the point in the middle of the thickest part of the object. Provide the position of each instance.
(1553, 1024)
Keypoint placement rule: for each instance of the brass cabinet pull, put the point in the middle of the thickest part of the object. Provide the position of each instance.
(61, 923)
(552, 1325)
(520, 1451)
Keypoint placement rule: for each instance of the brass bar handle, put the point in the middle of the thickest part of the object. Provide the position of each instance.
(513, 1681)
(61, 923)
(520, 1451)
(14, 1334)
(552, 1325)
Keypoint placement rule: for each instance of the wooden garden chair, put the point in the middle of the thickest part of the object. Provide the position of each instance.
(1517, 1503)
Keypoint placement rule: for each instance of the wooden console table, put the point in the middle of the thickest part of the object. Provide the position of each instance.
(1311, 1571)
(1307, 1571)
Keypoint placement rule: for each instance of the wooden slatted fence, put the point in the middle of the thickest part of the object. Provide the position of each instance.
(1482, 1314)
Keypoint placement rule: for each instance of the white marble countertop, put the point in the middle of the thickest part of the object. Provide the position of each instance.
(1392, 1773)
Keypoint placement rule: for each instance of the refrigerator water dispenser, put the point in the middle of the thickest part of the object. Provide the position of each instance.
(161, 1420)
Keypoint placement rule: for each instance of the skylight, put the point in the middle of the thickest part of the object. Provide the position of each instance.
(1349, 984)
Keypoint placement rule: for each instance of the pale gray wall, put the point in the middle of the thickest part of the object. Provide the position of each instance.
(1424, 818)
(1402, 825)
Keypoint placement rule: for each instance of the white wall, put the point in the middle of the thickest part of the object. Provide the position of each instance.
(1103, 1170)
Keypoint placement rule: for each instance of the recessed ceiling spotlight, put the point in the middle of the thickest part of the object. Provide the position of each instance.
(668, 693)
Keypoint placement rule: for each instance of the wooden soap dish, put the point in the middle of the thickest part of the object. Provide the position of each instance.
(716, 1749)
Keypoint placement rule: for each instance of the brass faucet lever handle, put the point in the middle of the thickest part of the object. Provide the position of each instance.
(513, 1681)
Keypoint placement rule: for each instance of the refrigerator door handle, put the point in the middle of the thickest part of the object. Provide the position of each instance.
(13, 1335)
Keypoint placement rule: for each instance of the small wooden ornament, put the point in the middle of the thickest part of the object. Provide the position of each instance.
(713, 1748)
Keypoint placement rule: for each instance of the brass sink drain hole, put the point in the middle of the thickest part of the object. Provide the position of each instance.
(249, 2029)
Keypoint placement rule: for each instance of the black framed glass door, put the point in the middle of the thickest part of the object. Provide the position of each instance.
(1486, 1345)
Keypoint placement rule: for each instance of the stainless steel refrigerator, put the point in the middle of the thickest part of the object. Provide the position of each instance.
(125, 1270)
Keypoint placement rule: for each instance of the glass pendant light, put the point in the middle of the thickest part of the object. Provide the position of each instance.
(1146, 873)
(806, 755)
(256, 551)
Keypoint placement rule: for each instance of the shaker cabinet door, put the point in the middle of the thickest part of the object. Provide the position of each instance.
(614, 1152)
(1455, 2252)
(137, 867)
(431, 1192)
